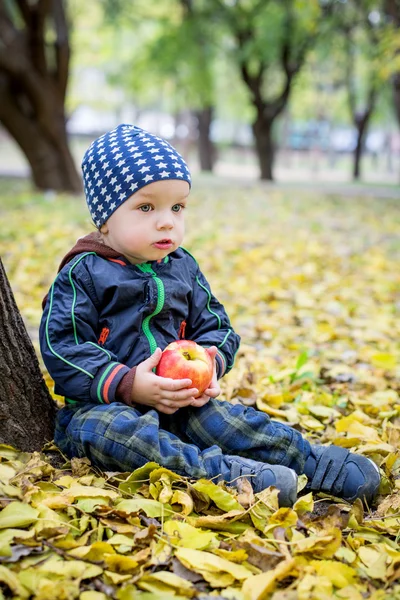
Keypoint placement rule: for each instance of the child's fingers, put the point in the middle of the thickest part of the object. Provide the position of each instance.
(198, 402)
(176, 403)
(165, 409)
(213, 392)
(212, 351)
(171, 385)
(152, 361)
(179, 395)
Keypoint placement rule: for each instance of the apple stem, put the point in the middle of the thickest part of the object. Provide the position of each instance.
(187, 355)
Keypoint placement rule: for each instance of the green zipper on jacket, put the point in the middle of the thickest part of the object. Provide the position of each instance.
(146, 268)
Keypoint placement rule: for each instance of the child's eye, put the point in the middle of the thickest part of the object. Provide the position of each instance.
(145, 208)
(177, 207)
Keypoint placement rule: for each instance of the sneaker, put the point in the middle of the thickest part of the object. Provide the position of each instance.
(336, 471)
(262, 475)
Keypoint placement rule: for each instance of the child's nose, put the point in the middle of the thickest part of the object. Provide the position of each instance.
(165, 221)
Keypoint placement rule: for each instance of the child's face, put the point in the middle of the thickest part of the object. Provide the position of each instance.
(150, 224)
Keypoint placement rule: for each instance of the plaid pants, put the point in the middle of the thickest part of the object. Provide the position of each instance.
(191, 442)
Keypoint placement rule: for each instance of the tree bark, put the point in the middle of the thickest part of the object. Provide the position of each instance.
(392, 10)
(27, 410)
(262, 131)
(205, 145)
(33, 82)
(361, 123)
(396, 95)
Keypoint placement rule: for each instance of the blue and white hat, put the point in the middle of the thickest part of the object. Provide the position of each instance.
(122, 161)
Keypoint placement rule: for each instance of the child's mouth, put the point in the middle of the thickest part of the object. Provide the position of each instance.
(163, 244)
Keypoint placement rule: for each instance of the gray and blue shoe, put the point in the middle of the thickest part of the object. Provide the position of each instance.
(262, 475)
(336, 471)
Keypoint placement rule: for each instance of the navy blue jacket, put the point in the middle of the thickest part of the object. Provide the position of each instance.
(103, 316)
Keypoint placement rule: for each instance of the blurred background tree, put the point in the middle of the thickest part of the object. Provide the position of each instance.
(392, 13)
(292, 86)
(34, 69)
(270, 43)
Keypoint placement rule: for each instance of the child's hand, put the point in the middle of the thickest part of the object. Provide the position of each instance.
(214, 390)
(164, 394)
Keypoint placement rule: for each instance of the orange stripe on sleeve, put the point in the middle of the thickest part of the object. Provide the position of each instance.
(109, 381)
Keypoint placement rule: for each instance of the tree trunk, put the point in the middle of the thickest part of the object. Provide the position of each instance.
(44, 142)
(27, 410)
(205, 145)
(392, 11)
(34, 70)
(396, 95)
(262, 130)
(361, 124)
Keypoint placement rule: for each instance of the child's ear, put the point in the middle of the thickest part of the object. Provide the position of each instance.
(104, 228)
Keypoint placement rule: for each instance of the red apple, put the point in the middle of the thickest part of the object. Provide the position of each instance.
(185, 359)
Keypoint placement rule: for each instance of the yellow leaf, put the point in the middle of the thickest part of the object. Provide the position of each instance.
(6, 473)
(323, 546)
(183, 499)
(308, 422)
(119, 539)
(258, 586)
(304, 504)
(164, 581)
(17, 514)
(87, 491)
(385, 360)
(183, 534)
(120, 564)
(339, 574)
(314, 588)
(138, 477)
(11, 580)
(236, 556)
(163, 473)
(229, 522)
(95, 552)
(65, 481)
(92, 595)
(116, 578)
(152, 508)
(205, 561)
(71, 569)
(373, 561)
(223, 499)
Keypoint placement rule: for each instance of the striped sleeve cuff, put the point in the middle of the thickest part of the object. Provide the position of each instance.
(221, 364)
(105, 383)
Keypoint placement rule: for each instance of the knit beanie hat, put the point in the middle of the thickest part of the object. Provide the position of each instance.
(122, 161)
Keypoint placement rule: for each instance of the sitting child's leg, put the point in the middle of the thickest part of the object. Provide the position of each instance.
(251, 433)
(240, 430)
(117, 437)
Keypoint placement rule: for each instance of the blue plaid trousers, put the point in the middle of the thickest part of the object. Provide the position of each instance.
(192, 442)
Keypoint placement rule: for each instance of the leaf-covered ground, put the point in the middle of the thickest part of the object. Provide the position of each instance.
(312, 285)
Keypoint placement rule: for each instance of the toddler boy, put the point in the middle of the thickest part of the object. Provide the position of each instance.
(122, 294)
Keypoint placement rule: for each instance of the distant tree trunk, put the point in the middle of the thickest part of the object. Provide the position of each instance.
(33, 82)
(206, 147)
(361, 122)
(396, 95)
(254, 73)
(27, 410)
(262, 131)
(360, 117)
(392, 10)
